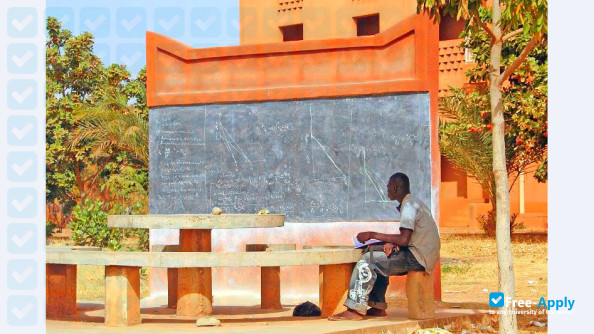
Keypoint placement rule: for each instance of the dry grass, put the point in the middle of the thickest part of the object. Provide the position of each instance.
(469, 265)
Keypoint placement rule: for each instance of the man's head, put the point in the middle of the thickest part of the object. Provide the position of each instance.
(398, 187)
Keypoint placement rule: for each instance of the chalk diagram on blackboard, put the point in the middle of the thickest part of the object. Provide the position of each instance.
(374, 185)
(228, 141)
(313, 139)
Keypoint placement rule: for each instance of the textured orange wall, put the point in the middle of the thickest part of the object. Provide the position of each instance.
(261, 19)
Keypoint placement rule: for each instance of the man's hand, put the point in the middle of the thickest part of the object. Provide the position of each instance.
(388, 248)
(364, 236)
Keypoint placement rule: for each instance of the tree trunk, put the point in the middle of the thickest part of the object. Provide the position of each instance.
(507, 320)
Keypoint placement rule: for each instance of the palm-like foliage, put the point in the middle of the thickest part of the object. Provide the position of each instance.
(112, 126)
(465, 140)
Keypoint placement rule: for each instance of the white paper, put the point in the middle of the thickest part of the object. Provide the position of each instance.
(359, 244)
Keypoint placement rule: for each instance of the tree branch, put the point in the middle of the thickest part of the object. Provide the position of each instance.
(518, 61)
(512, 34)
(484, 26)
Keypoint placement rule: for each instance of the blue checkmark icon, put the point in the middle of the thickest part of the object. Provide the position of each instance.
(22, 202)
(21, 238)
(496, 299)
(21, 130)
(22, 22)
(131, 22)
(21, 274)
(21, 310)
(170, 21)
(22, 58)
(96, 20)
(22, 94)
(22, 166)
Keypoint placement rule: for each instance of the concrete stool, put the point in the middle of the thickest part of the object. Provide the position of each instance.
(270, 283)
(171, 275)
(60, 289)
(60, 283)
(122, 296)
(419, 293)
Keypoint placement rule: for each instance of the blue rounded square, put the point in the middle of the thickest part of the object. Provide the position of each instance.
(22, 22)
(63, 14)
(22, 94)
(131, 22)
(95, 20)
(132, 55)
(21, 166)
(21, 238)
(170, 21)
(22, 58)
(21, 310)
(21, 202)
(205, 22)
(21, 130)
(496, 299)
(21, 274)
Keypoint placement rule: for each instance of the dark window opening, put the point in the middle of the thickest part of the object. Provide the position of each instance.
(450, 28)
(292, 32)
(367, 25)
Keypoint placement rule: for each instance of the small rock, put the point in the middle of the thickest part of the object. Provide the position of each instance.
(537, 324)
(208, 321)
(263, 212)
(217, 211)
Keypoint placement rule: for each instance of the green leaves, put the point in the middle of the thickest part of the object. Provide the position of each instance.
(96, 116)
(89, 226)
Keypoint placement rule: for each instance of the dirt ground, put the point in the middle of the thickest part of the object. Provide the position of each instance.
(468, 267)
(469, 272)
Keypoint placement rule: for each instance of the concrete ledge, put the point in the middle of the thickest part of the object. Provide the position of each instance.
(204, 259)
(205, 222)
(72, 248)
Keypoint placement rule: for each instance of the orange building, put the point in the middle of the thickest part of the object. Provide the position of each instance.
(461, 198)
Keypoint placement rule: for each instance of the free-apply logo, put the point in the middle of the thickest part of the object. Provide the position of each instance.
(496, 299)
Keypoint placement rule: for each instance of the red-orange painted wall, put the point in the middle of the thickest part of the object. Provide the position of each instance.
(261, 19)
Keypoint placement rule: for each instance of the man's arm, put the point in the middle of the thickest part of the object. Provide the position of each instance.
(401, 239)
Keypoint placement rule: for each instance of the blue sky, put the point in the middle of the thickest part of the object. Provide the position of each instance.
(119, 26)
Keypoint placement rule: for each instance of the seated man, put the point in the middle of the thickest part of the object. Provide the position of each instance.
(416, 248)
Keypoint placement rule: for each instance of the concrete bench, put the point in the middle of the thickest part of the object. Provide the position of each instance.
(270, 276)
(419, 290)
(122, 278)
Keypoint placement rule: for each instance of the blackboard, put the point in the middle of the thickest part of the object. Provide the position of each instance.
(312, 160)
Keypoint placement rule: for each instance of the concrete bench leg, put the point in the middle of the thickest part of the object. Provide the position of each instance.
(172, 287)
(419, 293)
(270, 282)
(171, 275)
(194, 285)
(60, 289)
(334, 287)
(122, 296)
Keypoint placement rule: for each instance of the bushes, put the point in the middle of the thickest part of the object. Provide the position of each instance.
(89, 226)
(488, 223)
(49, 228)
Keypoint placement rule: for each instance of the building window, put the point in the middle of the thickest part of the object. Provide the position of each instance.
(367, 25)
(292, 32)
